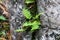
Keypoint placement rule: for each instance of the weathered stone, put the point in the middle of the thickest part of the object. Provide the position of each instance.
(16, 17)
(50, 18)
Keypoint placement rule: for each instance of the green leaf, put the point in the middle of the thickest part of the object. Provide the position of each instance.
(26, 13)
(2, 33)
(34, 27)
(2, 18)
(19, 30)
(37, 15)
(27, 24)
(29, 1)
(36, 23)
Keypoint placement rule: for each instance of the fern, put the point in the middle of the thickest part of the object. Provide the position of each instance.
(26, 13)
(20, 30)
(2, 18)
(33, 22)
(36, 17)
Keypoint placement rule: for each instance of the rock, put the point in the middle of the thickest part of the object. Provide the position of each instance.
(50, 19)
(16, 17)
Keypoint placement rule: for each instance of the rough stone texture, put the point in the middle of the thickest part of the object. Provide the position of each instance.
(50, 19)
(16, 16)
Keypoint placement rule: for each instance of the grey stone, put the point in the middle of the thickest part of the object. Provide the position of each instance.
(50, 19)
